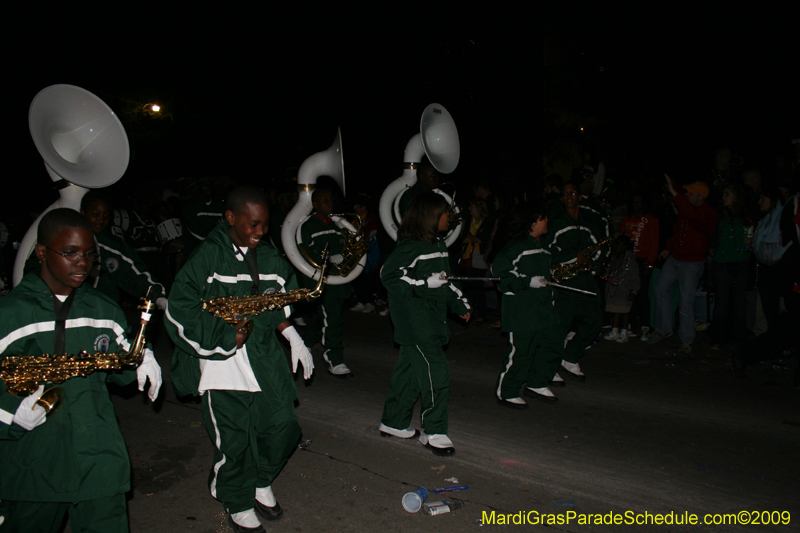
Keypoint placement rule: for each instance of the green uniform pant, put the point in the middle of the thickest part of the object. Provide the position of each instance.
(588, 316)
(328, 329)
(251, 444)
(103, 515)
(533, 358)
(421, 372)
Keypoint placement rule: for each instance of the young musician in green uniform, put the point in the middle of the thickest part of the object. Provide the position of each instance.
(120, 267)
(419, 300)
(317, 232)
(568, 235)
(535, 339)
(75, 462)
(244, 380)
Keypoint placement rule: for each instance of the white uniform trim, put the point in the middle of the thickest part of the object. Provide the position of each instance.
(430, 381)
(419, 282)
(50, 325)
(508, 366)
(245, 277)
(195, 345)
(128, 260)
(217, 443)
(6, 417)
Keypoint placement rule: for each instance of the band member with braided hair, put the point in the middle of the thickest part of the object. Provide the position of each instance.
(243, 378)
(419, 300)
(75, 462)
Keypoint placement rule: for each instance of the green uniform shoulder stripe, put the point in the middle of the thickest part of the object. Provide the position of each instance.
(50, 325)
(245, 277)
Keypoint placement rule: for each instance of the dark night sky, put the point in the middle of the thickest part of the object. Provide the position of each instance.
(253, 93)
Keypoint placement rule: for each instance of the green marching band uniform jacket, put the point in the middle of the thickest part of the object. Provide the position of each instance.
(79, 453)
(419, 313)
(566, 236)
(316, 233)
(121, 267)
(524, 308)
(206, 345)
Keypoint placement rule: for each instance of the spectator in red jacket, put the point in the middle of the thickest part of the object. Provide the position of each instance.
(642, 227)
(685, 261)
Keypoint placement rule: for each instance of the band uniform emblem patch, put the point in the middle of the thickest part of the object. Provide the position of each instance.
(102, 343)
(112, 264)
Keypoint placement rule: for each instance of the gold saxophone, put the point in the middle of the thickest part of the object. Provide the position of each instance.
(355, 246)
(234, 309)
(567, 271)
(23, 373)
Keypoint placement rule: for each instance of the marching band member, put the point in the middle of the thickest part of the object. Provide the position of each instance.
(569, 234)
(244, 380)
(74, 462)
(419, 300)
(317, 232)
(119, 264)
(536, 344)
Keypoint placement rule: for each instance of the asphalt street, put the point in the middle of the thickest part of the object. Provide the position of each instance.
(649, 433)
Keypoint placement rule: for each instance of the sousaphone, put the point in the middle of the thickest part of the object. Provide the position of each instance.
(83, 144)
(438, 139)
(325, 163)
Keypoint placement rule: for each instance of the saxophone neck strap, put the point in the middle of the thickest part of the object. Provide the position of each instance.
(251, 260)
(62, 312)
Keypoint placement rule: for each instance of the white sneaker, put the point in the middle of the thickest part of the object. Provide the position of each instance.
(298, 321)
(572, 368)
(339, 370)
(384, 312)
(613, 335)
(623, 336)
(368, 308)
(645, 335)
(246, 519)
(358, 307)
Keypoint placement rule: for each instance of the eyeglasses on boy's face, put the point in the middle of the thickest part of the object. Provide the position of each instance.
(74, 257)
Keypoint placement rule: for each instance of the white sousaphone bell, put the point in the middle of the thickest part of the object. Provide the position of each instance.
(438, 139)
(326, 163)
(83, 144)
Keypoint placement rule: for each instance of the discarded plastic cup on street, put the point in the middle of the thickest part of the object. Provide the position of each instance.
(412, 501)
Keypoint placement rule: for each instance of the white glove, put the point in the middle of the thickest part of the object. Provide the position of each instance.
(29, 415)
(161, 303)
(335, 259)
(436, 280)
(299, 352)
(149, 369)
(537, 282)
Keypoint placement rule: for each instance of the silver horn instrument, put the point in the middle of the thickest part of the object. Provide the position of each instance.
(438, 139)
(83, 144)
(325, 163)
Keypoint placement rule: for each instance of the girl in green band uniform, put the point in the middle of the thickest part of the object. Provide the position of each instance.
(536, 344)
(419, 300)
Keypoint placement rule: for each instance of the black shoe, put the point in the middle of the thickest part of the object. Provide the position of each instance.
(561, 383)
(414, 436)
(241, 529)
(546, 399)
(512, 405)
(442, 452)
(271, 514)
